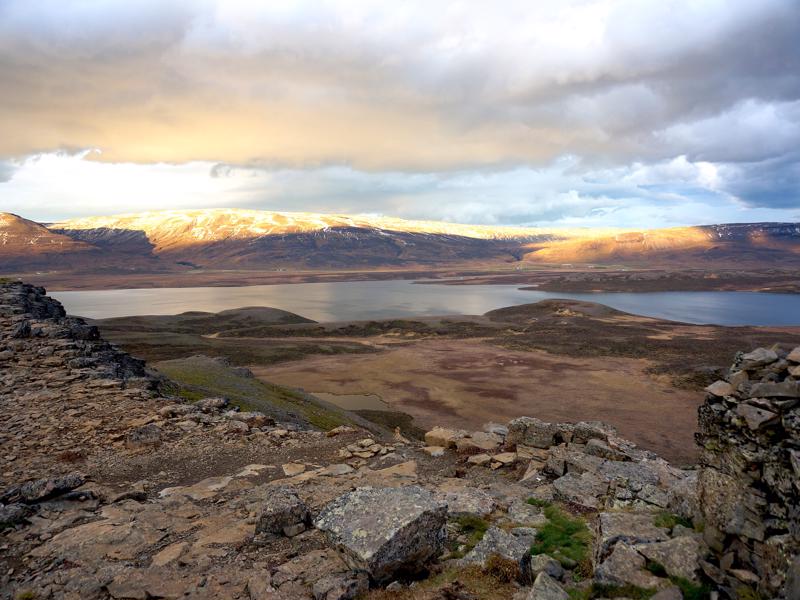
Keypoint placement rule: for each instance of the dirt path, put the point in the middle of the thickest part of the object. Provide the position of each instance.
(452, 382)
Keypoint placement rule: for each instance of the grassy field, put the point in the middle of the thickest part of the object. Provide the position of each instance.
(201, 377)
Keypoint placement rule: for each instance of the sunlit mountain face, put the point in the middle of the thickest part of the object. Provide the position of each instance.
(222, 238)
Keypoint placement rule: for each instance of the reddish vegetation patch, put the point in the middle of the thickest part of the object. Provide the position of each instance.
(454, 383)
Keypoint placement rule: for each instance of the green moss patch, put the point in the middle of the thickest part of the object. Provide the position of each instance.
(563, 537)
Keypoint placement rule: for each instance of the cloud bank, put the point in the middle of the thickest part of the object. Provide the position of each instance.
(592, 110)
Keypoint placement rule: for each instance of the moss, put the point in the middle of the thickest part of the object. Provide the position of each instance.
(696, 591)
(562, 536)
(669, 520)
(25, 595)
(538, 503)
(656, 568)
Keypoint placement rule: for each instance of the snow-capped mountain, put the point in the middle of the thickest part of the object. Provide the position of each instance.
(250, 239)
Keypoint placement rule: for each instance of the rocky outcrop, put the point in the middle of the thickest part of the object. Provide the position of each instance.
(111, 489)
(385, 531)
(36, 323)
(749, 481)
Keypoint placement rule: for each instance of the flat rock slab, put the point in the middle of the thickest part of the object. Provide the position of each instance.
(385, 530)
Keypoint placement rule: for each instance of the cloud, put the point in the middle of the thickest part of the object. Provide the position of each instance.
(563, 192)
(6, 170)
(681, 100)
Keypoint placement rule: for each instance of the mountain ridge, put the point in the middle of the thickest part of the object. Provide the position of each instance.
(250, 239)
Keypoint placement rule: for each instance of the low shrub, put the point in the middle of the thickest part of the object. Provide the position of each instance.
(502, 569)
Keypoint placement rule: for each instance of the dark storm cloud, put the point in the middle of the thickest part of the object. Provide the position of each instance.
(652, 102)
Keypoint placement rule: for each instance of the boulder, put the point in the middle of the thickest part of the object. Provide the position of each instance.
(505, 458)
(542, 563)
(584, 431)
(531, 431)
(385, 530)
(720, 389)
(283, 514)
(794, 355)
(501, 543)
(755, 417)
(478, 442)
(757, 358)
(447, 438)
(546, 588)
(596, 447)
(479, 459)
(775, 389)
(630, 527)
(625, 566)
(679, 556)
(587, 489)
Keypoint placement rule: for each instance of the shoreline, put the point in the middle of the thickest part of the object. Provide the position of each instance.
(553, 279)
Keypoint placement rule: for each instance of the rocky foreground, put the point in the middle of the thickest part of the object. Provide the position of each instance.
(111, 488)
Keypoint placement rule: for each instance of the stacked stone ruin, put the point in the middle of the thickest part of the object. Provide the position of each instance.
(749, 480)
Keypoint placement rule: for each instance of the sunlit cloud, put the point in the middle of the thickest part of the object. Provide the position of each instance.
(592, 110)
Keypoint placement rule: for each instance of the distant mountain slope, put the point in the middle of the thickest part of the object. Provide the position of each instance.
(21, 237)
(750, 243)
(170, 241)
(256, 239)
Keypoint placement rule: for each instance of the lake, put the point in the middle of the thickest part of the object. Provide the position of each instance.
(362, 300)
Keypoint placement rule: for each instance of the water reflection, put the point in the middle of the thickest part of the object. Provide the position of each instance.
(360, 300)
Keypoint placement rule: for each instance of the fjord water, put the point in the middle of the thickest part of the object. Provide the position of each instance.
(363, 300)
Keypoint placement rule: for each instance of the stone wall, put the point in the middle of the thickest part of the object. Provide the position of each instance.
(749, 480)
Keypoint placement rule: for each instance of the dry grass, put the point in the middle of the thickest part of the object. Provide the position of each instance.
(467, 582)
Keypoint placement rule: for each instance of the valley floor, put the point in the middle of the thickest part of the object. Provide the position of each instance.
(465, 384)
(559, 360)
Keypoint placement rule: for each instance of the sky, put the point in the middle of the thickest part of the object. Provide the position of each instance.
(630, 113)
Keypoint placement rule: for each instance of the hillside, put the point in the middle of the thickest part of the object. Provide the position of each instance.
(112, 488)
(769, 244)
(26, 242)
(185, 241)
